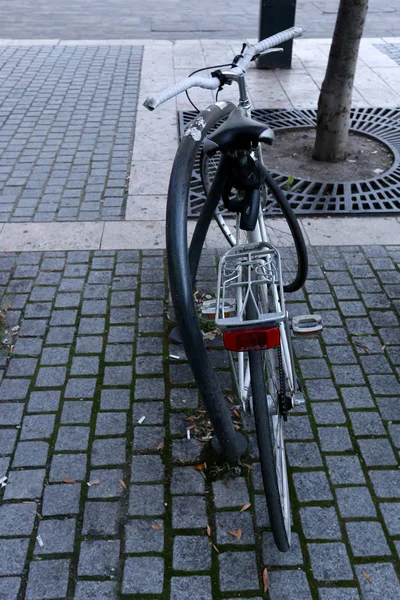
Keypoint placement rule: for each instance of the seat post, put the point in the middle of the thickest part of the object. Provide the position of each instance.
(244, 101)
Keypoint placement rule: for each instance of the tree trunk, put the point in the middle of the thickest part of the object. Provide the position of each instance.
(334, 104)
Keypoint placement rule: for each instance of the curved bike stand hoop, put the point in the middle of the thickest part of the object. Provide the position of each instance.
(229, 442)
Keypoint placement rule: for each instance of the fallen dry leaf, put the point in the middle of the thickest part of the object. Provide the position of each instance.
(157, 527)
(94, 482)
(249, 467)
(160, 446)
(265, 580)
(66, 480)
(236, 413)
(123, 484)
(191, 418)
(231, 400)
(383, 347)
(237, 534)
(200, 467)
(208, 530)
(245, 506)
(39, 516)
(367, 577)
(215, 547)
(190, 427)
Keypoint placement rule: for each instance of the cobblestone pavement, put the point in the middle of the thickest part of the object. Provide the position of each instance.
(173, 19)
(67, 120)
(91, 359)
(392, 50)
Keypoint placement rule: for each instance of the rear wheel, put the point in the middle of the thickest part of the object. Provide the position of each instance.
(269, 385)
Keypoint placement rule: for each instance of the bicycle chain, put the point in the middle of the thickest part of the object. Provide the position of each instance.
(283, 408)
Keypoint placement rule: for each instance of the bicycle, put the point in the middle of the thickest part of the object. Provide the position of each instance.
(250, 306)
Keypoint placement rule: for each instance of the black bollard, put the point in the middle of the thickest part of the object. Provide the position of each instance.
(275, 16)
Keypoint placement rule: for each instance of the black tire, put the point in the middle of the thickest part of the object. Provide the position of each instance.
(294, 264)
(266, 451)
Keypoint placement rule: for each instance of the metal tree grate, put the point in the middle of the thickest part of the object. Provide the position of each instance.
(379, 195)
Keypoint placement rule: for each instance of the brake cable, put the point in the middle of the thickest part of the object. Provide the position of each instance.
(198, 71)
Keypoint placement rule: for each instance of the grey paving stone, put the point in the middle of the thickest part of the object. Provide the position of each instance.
(48, 579)
(185, 480)
(188, 512)
(119, 353)
(143, 575)
(339, 594)
(80, 388)
(355, 502)
(108, 451)
(382, 576)
(91, 326)
(148, 438)
(367, 538)
(329, 561)
(72, 437)
(115, 399)
(394, 433)
(233, 521)
(230, 564)
(25, 346)
(328, 413)
(367, 423)
(149, 389)
(386, 483)
(375, 364)
(288, 585)
(348, 374)
(321, 389)
(272, 556)
(89, 344)
(87, 590)
(51, 377)
(389, 408)
(149, 345)
(76, 411)
(184, 398)
(153, 411)
(30, 454)
(98, 557)
(230, 493)
(61, 499)
(345, 469)
(55, 355)
(334, 439)
(14, 389)
(298, 428)
(141, 536)
(85, 365)
(303, 454)
(320, 523)
(63, 317)
(101, 518)
(11, 413)
(377, 452)
(68, 466)
(110, 423)
(109, 485)
(120, 375)
(24, 485)
(191, 553)
(148, 468)
(391, 515)
(7, 440)
(17, 519)
(37, 426)
(10, 587)
(12, 556)
(58, 536)
(146, 500)
(21, 367)
(60, 335)
(197, 586)
(312, 486)
(357, 397)
(384, 385)
(44, 401)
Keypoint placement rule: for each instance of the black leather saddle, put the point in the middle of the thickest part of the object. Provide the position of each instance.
(238, 132)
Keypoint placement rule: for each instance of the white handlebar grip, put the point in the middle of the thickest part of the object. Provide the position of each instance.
(279, 38)
(152, 102)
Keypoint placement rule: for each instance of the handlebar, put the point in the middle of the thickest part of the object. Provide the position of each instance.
(213, 83)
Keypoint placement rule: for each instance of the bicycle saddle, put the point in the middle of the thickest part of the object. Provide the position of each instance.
(237, 132)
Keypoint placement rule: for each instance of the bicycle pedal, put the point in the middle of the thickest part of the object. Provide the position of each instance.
(299, 400)
(209, 308)
(307, 324)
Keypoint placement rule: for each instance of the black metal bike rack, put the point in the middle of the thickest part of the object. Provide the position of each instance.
(182, 275)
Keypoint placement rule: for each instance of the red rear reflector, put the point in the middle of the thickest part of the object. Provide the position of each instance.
(251, 338)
